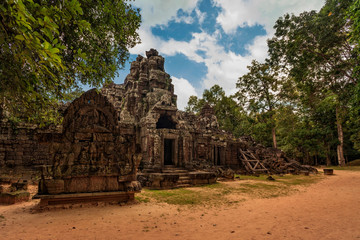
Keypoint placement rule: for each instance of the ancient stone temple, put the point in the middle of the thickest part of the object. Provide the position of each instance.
(112, 139)
(165, 135)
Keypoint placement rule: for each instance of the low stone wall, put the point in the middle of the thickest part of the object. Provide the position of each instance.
(87, 184)
(175, 180)
(24, 148)
(200, 178)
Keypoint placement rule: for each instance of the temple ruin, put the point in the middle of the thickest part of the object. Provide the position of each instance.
(112, 139)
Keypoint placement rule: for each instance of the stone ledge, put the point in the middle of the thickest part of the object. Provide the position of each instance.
(46, 200)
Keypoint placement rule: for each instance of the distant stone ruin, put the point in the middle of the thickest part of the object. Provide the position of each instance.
(125, 133)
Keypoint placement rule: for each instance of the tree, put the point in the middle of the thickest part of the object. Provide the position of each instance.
(258, 91)
(226, 109)
(313, 49)
(212, 96)
(49, 47)
(354, 121)
(354, 14)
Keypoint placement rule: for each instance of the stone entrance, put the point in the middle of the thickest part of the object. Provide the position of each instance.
(169, 145)
(217, 156)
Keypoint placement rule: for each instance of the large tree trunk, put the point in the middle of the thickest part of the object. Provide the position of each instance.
(274, 137)
(327, 152)
(340, 147)
(328, 160)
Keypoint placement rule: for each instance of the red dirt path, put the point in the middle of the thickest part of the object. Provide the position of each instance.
(329, 209)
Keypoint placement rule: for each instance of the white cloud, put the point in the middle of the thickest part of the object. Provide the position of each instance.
(258, 48)
(262, 12)
(183, 89)
(224, 67)
(201, 16)
(160, 12)
(185, 19)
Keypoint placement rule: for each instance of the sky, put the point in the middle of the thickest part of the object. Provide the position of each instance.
(208, 42)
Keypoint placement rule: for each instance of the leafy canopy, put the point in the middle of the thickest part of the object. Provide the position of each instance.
(49, 47)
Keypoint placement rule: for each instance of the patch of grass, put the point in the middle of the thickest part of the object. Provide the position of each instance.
(2, 218)
(250, 177)
(142, 199)
(296, 180)
(179, 196)
(230, 192)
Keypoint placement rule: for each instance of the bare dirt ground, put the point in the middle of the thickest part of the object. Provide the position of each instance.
(329, 209)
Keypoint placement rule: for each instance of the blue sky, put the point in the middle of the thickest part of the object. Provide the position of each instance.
(207, 42)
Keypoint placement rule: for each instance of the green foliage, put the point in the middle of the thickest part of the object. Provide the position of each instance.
(194, 104)
(354, 117)
(49, 47)
(259, 93)
(304, 91)
(260, 127)
(314, 46)
(257, 90)
(226, 109)
(354, 14)
(314, 52)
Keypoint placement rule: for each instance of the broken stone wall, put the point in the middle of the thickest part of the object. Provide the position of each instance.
(24, 148)
(94, 153)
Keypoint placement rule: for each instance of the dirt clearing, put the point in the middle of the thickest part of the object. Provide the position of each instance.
(327, 209)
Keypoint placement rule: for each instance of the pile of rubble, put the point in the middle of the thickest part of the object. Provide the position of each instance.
(257, 158)
(12, 192)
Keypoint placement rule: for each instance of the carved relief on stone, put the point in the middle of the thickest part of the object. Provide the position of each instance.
(92, 143)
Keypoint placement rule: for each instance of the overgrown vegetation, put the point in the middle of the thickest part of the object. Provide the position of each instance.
(305, 97)
(49, 48)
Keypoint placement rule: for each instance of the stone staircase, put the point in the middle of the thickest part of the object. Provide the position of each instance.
(175, 177)
(173, 169)
(184, 178)
(184, 181)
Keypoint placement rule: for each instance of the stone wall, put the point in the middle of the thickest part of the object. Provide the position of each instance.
(24, 148)
(94, 153)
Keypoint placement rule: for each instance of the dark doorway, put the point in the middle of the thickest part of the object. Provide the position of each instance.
(168, 151)
(217, 155)
(165, 122)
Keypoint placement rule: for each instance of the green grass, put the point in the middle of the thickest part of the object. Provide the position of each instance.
(230, 192)
(297, 180)
(250, 177)
(142, 199)
(2, 218)
(179, 196)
